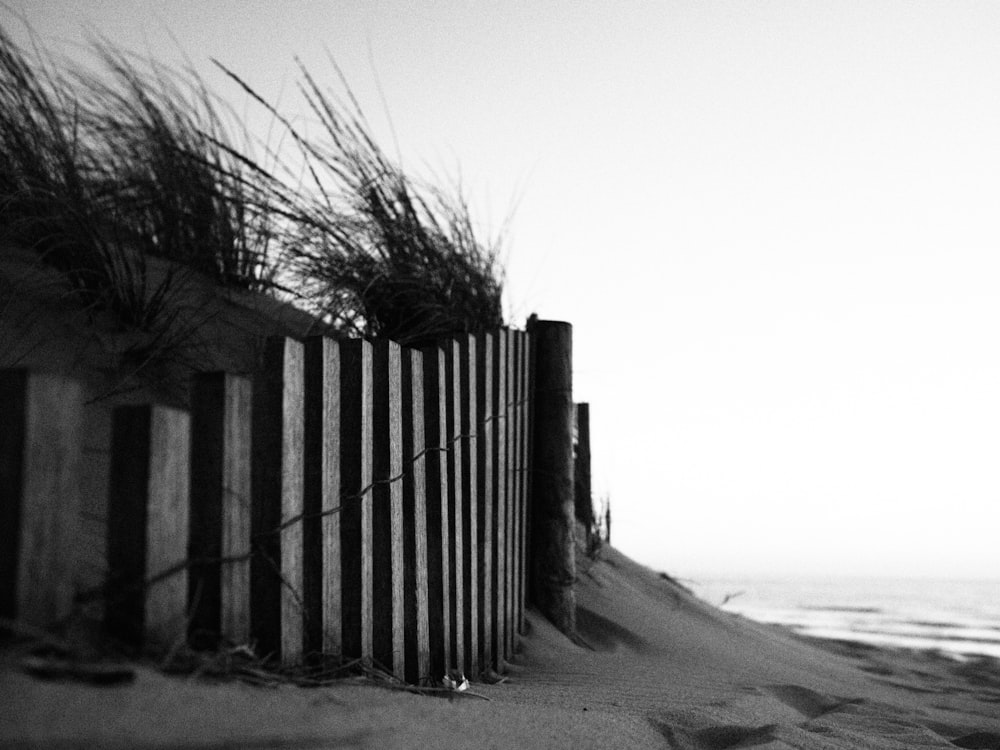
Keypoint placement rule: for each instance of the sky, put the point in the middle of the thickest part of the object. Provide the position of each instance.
(773, 226)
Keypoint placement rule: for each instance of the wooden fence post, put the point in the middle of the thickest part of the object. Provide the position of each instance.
(415, 539)
(436, 466)
(387, 508)
(583, 501)
(455, 443)
(486, 547)
(276, 522)
(148, 525)
(552, 548)
(322, 579)
(40, 447)
(219, 531)
(356, 426)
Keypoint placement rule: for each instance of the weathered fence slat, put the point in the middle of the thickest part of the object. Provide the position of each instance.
(356, 425)
(513, 481)
(322, 579)
(148, 525)
(436, 467)
(497, 432)
(470, 484)
(455, 503)
(219, 531)
(40, 446)
(514, 471)
(505, 438)
(525, 402)
(415, 624)
(581, 468)
(485, 498)
(277, 483)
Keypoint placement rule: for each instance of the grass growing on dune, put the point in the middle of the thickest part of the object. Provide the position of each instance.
(376, 250)
(46, 199)
(182, 190)
(101, 171)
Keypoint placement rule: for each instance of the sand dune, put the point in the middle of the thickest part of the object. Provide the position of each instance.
(657, 668)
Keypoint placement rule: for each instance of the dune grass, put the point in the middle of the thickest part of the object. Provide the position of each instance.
(377, 251)
(101, 170)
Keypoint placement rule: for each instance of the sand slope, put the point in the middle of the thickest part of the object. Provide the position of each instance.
(659, 669)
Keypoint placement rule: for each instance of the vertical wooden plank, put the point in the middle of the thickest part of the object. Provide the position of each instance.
(582, 498)
(387, 508)
(485, 497)
(355, 435)
(415, 623)
(455, 503)
(236, 471)
(505, 515)
(513, 482)
(40, 463)
(148, 525)
(438, 540)
(470, 484)
(219, 531)
(498, 431)
(526, 405)
(322, 580)
(277, 484)
(167, 526)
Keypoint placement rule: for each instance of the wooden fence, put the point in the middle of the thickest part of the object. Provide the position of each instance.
(354, 500)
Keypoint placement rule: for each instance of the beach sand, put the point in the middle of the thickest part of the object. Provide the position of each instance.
(662, 669)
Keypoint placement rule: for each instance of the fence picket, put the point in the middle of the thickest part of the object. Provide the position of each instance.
(356, 427)
(470, 485)
(40, 454)
(415, 625)
(498, 429)
(485, 497)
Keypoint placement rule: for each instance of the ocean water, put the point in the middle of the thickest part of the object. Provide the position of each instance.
(960, 619)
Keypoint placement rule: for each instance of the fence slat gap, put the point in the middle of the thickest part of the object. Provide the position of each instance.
(355, 432)
(148, 525)
(485, 496)
(322, 573)
(219, 530)
(438, 539)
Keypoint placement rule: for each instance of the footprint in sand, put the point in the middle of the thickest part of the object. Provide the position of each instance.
(807, 702)
(978, 741)
(717, 738)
